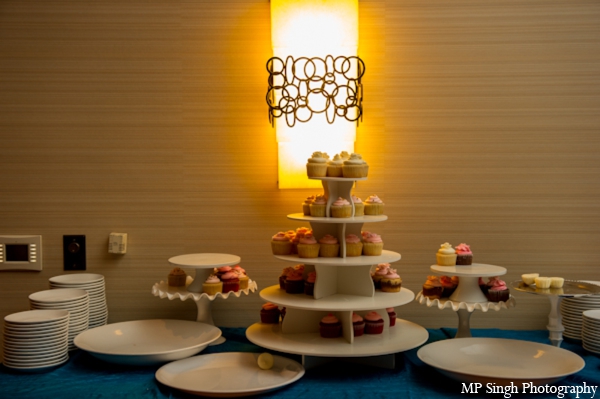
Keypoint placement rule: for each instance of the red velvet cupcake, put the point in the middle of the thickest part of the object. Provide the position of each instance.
(231, 282)
(392, 314)
(373, 323)
(294, 283)
(269, 314)
(358, 323)
(330, 327)
(284, 275)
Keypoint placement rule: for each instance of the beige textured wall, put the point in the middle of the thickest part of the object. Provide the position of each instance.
(482, 124)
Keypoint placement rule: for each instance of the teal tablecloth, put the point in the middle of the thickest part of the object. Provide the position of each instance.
(83, 376)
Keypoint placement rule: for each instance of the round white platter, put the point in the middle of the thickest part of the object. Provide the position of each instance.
(476, 269)
(404, 336)
(202, 261)
(385, 257)
(229, 374)
(500, 361)
(142, 342)
(337, 302)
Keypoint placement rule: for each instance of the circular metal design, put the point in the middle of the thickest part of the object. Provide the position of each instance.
(335, 81)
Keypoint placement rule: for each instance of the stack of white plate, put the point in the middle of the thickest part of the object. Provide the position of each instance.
(94, 285)
(36, 339)
(74, 300)
(591, 330)
(571, 310)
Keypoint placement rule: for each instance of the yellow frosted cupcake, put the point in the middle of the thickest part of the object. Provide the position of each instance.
(319, 206)
(330, 247)
(372, 244)
(359, 207)
(374, 205)
(355, 166)
(316, 165)
(281, 244)
(446, 255)
(308, 247)
(212, 285)
(353, 245)
(341, 208)
(335, 166)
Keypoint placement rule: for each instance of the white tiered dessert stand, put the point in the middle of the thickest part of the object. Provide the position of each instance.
(203, 263)
(343, 286)
(468, 296)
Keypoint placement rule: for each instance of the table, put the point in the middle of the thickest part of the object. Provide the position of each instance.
(86, 377)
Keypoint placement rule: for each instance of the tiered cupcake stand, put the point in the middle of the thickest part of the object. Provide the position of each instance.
(203, 264)
(468, 296)
(343, 286)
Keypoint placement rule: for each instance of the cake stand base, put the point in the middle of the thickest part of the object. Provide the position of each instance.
(464, 326)
(555, 326)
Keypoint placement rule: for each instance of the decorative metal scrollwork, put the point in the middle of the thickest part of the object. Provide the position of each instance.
(299, 88)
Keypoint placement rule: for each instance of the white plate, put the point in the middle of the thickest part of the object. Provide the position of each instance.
(500, 361)
(229, 374)
(36, 365)
(36, 316)
(592, 314)
(65, 295)
(77, 278)
(141, 342)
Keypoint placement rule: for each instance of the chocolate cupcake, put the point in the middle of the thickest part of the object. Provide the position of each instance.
(269, 314)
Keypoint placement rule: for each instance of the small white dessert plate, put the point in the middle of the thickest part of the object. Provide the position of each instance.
(77, 278)
(229, 374)
(37, 317)
(144, 342)
(500, 361)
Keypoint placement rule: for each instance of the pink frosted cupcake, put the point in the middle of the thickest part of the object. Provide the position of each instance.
(298, 234)
(231, 282)
(294, 283)
(380, 272)
(353, 245)
(308, 247)
(359, 207)
(341, 208)
(448, 286)
(497, 290)
(281, 244)
(244, 279)
(291, 234)
(373, 323)
(330, 247)
(392, 315)
(464, 256)
(330, 327)
(391, 282)
(372, 244)
(318, 207)
(309, 284)
(373, 205)
(219, 272)
(306, 205)
(358, 323)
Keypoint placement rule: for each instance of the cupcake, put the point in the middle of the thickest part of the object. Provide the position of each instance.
(355, 167)
(308, 247)
(380, 272)
(353, 245)
(341, 208)
(464, 256)
(483, 286)
(281, 244)
(319, 206)
(529, 279)
(220, 271)
(432, 288)
(300, 268)
(330, 327)
(497, 290)
(316, 165)
(244, 279)
(231, 282)
(358, 323)
(269, 314)
(212, 285)
(372, 244)
(284, 273)
(294, 283)
(392, 315)
(446, 255)
(309, 283)
(177, 277)
(335, 166)
(306, 205)
(556, 282)
(291, 234)
(330, 247)
(542, 282)
(359, 207)
(391, 282)
(373, 323)
(344, 155)
(448, 285)
(373, 205)
(298, 234)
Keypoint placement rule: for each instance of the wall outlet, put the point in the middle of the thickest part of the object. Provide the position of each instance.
(74, 252)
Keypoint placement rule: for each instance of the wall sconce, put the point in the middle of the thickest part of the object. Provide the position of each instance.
(315, 91)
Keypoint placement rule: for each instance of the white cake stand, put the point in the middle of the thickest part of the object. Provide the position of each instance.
(468, 296)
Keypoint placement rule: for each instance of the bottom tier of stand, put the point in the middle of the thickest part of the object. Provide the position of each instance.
(314, 349)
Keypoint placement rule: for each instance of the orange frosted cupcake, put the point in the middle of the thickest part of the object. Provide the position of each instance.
(306, 204)
(372, 244)
(308, 247)
(294, 283)
(284, 273)
(433, 288)
(353, 245)
(341, 208)
(330, 247)
(316, 165)
(374, 205)
(359, 207)
(335, 166)
(319, 206)
(281, 244)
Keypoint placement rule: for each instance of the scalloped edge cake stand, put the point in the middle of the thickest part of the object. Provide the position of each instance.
(468, 296)
(203, 263)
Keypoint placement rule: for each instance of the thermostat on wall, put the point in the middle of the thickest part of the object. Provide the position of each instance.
(20, 252)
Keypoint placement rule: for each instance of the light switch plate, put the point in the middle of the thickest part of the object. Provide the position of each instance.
(74, 252)
(21, 252)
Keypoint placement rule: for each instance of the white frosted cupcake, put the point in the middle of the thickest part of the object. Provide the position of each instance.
(446, 255)
(355, 166)
(316, 165)
(335, 166)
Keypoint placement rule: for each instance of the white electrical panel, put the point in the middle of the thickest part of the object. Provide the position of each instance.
(117, 243)
(21, 253)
